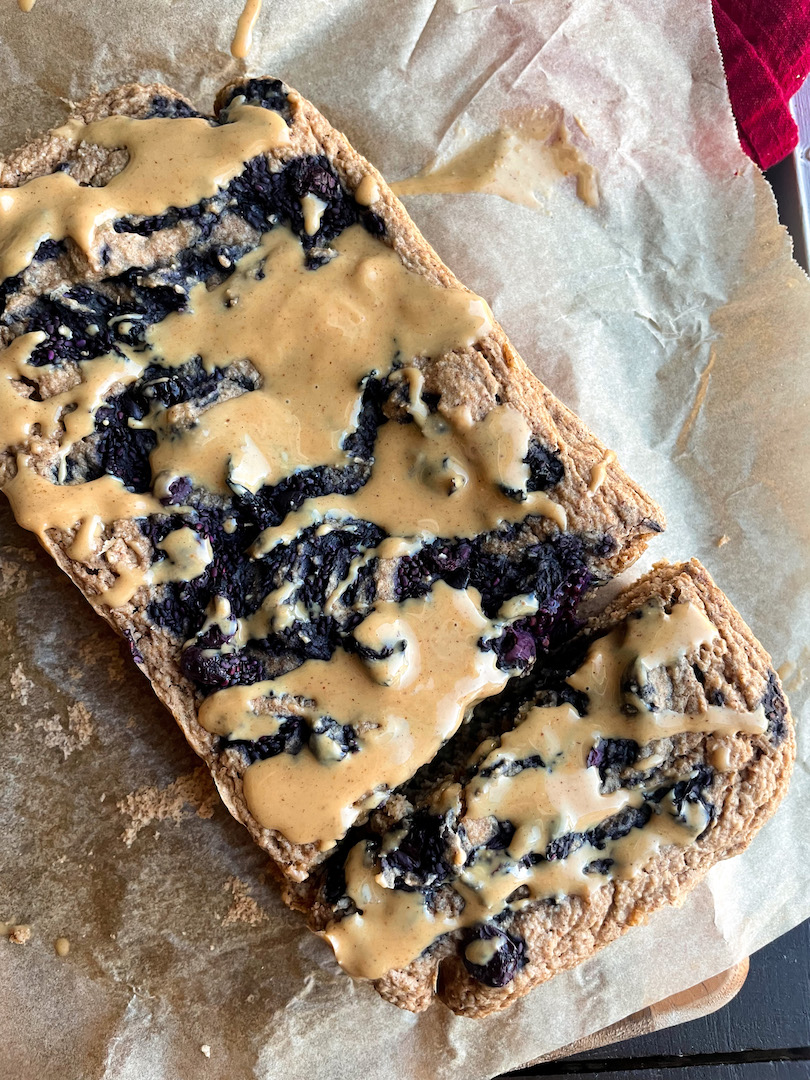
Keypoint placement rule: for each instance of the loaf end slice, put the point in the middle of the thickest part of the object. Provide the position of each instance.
(572, 823)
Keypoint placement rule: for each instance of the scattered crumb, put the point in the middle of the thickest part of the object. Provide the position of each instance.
(206, 1049)
(244, 908)
(55, 734)
(75, 736)
(19, 934)
(80, 722)
(723, 540)
(195, 790)
(102, 796)
(61, 946)
(21, 686)
(14, 576)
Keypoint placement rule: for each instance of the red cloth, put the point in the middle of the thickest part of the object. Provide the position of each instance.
(766, 52)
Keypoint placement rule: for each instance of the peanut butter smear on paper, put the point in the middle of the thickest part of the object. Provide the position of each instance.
(243, 38)
(516, 162)
(309, 339)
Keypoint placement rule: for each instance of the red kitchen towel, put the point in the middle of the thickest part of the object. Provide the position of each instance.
(766, 52)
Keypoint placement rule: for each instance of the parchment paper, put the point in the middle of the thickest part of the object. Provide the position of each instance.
(675, 299)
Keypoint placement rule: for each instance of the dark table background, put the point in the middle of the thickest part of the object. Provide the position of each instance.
(764, 1032)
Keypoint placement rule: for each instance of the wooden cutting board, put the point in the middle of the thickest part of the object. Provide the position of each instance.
(707, 997)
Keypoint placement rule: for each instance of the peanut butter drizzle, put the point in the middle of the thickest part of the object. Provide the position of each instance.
(312, 208)
(543, 803)
(403, 708)
(39, 505)
(172, 162)
(514, 162)
(368, 191)
(599, 472)
(415, 490)
(71, 412)
(312, 339)
(481, 951)
(243, 38)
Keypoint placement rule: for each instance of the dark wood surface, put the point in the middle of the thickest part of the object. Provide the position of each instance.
(762, 1034)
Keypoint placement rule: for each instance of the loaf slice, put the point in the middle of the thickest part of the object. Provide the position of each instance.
(267, 433)
(645, 751)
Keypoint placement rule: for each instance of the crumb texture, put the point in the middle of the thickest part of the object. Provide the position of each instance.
(190, 794)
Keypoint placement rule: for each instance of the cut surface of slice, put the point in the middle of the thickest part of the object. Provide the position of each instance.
(650, 747)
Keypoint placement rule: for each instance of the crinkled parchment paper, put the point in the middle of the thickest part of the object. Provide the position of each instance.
(671, 318)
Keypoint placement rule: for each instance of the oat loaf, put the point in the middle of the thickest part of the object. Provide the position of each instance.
(502, 887)
(217, 464)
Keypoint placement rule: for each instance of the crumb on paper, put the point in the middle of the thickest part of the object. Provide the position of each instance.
(80, 723)
(206, 1049)
(13, 575)
(77, 734)
(194, 790)
(722, 540)
(61, 946)
(18, 933)
(244, 908)
(21, 685)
